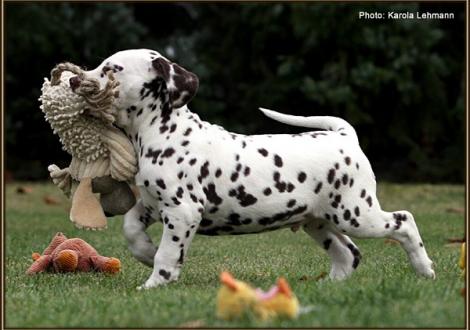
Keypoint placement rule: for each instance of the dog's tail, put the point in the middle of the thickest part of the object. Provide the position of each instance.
(320, 122)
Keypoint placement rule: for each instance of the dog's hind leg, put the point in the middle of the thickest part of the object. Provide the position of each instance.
(136, 221)
(365, 219)
(344, 254)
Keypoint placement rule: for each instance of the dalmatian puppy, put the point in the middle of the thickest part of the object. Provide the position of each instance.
(196, 177)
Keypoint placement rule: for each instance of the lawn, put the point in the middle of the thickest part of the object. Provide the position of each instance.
(383, 292)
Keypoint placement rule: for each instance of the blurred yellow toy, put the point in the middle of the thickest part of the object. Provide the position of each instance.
(236, 298)
(462, 259)
(462, 266)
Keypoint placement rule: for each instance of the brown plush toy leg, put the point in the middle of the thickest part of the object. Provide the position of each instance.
(116, 196)
(86, 210)
(58, 239)
(40, 265)
(66, 261)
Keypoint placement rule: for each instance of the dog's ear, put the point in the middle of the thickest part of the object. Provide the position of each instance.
(181, 84)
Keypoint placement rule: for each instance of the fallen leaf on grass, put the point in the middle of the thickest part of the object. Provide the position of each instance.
(457, 210)
(455, 240)
(391, 241)
(193, 324)
(49, 200)
(316, 278)
(24, 190)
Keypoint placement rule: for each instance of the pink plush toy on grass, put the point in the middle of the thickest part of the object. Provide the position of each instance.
(69, 255)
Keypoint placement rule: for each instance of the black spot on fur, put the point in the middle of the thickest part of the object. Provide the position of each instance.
(301, 177)
(234, 176)
(347, 160)
(245, 199)
(318, 187)
(246, 171)
(331, 175)
(347, 215)
(218, 172)
(267, 191)
(369, 201)
(282, 216)
(278, 161)
(153, 154)
(168, 152)
(161, 183)
(335, 218)
(363, 193)
(337, 184)
(356, 211)
(234, 219)
(326, 244)
(263, 151)
(211, 194)
(354, 223)
(181, 257)
(204, 170)
(179, 192)
(163, 273)
(291, 203)
(192, 161)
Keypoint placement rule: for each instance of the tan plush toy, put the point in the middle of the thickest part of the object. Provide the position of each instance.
(70, 255)
(103, 158)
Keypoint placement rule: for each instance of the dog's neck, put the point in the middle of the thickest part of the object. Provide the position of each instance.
(152, 120)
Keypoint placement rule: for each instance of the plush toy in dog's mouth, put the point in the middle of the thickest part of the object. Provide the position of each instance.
(103, 158)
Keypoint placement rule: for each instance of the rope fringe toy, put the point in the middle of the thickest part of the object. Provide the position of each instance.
(83, 119)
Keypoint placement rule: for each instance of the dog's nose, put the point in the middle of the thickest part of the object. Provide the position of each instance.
(74, 82)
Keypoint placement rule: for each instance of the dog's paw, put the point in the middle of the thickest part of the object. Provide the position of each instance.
(425, 268)
(340, 272)
(150, 283)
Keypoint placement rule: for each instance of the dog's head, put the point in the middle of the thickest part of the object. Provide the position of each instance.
(145, 77)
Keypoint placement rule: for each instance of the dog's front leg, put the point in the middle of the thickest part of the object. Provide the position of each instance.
(180, 224)
(136, 222)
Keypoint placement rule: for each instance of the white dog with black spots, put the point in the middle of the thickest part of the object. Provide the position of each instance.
(196, 177)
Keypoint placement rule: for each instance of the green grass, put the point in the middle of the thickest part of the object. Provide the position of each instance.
(383, 292)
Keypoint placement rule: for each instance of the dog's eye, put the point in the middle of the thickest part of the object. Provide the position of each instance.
(111, 67)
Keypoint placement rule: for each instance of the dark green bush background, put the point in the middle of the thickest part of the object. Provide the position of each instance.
(401, 83)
